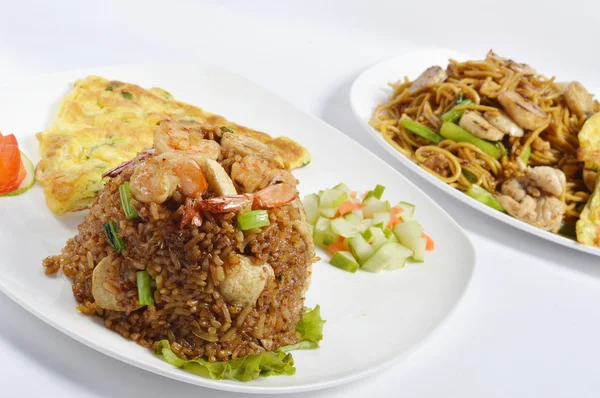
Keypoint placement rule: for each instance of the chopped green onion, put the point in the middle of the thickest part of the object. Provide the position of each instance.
(470, 176)
(144, 288)
(110, 230)
(127, 95)
(226, 129)
(525, 153)
(253, 219)
(456, 133)
(453, 115)
(125, 194)
(420, 130)
(378, 191)
(483, 196)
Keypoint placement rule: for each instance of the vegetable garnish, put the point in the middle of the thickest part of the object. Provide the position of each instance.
(125, 194)
(485, 197)
(110, 230)
(16, 170)
(456, 133)
(253, 219)
(355, 231)
(272, 363)
(144, 289)
(420, 130)
(453, 114)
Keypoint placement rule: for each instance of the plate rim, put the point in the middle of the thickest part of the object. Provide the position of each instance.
(178, 374)
(355, 91)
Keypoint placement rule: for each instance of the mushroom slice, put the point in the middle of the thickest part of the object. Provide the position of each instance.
(103, 297)
(479, 127)
(217, 177)
(246, 281)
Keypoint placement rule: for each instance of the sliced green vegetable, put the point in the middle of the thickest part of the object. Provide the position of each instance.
(378, 191)
(323, 236)
(420, 130)
(125, 194)
(311, 208)
(343, 227)
(127, 95)
(390, 255)
(408, 211)
(469, 176)
(144, 289)
(408, 234)
(453, 115)
(110, 230)
(253, 219)
(28, 181)
(353, 219)
(328, 212)
(419, 250)
(480, 194)
(525, 153)
(332, 198)
(382, 218)
(360, 248)
(456, 133)
(374, 205)
(344, 261)
(343, 188)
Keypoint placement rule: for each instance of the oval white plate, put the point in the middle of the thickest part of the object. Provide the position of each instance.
(371, 89)
(372, 319)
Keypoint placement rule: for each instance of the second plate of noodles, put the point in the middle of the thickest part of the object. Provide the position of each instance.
(523, 145)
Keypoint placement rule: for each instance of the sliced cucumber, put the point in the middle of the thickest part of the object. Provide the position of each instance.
(328, 212)
(354, 219)
(323, 236)
(374, 205)
(375, 237)
(378, 191)
(332, 198)
(390, 255)
(383, 218)
(343, 188)
(29, 179)
(359, 213)
(311, 207)
(360, 248)
(343, 227)
(420, 250)
(408, 211)
(345, 261)
(409, 233)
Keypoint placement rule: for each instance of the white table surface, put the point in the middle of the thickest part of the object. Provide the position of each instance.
(529, 324)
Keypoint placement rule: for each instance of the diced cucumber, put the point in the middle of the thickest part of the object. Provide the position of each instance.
(374, 205)
(311, 207)
(367, 223)
(409, 233)
(408, 211)
(378, 191)
(343, 188)
(360, 248)
(390, 255)
(345, 261)
(388, 233)
(420, 250)
(343, 227)
(358, 213)
(332, 198)
(353, 218)
(323, 236)
(373, 233)
(328, 212)
(383, 218)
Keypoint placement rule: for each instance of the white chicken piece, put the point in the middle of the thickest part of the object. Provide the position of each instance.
(103, 297)
(475, 124)
(534, 197)
(432, 76)
(503, 123)
(246, 281)
(578, 99)
(523, 112)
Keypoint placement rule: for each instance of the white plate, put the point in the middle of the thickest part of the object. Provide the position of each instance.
(371, 89)
(372, 319)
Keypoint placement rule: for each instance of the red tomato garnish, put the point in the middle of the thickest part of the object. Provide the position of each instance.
(12, 171)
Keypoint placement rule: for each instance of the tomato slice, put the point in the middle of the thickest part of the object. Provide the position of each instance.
(12, 171)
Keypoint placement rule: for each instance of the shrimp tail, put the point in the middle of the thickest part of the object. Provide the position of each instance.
(274, 196)
(117, 170)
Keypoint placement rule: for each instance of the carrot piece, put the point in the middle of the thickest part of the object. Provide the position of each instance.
(353, 195)
(394, 221)
(429, 245)
(337, 246)
(346, 207)
(396, 210)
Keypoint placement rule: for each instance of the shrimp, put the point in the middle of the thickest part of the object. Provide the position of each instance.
(254, 173)
(247, 146)
(155, 180)
(187, 136)
(117, 170)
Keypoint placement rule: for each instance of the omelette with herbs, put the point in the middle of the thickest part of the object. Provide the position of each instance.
(103, 123)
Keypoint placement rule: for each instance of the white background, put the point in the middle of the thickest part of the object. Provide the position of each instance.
(529, 324)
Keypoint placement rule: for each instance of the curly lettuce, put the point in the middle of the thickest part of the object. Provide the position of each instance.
(272, 363)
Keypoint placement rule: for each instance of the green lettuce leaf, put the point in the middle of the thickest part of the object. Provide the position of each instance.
(271, 363)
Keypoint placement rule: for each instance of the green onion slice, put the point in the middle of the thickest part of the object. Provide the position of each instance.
(253, 219)
(125, 194)
(144, 288)
(110, 230)
(420, 130)
(453, 115)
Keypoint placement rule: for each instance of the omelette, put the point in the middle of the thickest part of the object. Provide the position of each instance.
(102, 123)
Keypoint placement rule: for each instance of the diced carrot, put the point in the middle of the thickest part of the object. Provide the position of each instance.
(394, 221)
(429, 245)
(337, 246)
(346, 207)
(396, 210)
(360, 205)
(353, 195)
